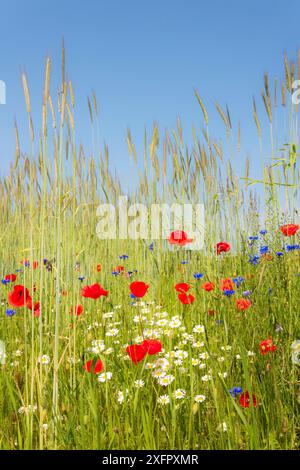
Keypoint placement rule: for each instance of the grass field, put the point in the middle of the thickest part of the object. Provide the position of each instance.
(227, 376)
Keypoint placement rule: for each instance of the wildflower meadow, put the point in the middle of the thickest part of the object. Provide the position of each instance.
(140, 343)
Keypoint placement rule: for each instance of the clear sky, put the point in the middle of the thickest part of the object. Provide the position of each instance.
(143, 58)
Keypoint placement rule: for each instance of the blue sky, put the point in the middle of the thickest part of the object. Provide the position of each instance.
(143, 59)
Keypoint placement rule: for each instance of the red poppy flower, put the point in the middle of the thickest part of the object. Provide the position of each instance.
(98, 268)
(208, 286)
(35, 307)
(243, 304)
(289, 229)
(186, 298)
(119, 269)
(266, 346)
(179, 237)
(11, 277)
(77, 310)
(97, 368)
(245, 400)
(19, 296)
(94, 291)
(138, 289)
(35, 264)
(222, 247)
(227, 284)
(136, 352)
(182, 287)
(152, 346)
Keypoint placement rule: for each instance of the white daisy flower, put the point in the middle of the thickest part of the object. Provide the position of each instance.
(163, 400)
(44, 359)
(199, 329)
(199, 398)
(198, 344)
(149, 365)
(204, 356)
(139, 339)
(206, 378)
(158, 374)
(105, 376)
(170, 354)
(180, 354)
(162, 363)
(166, 380)
(112, 332)
(139, 383)
(174, 323)
(179, 394)
(178, 362)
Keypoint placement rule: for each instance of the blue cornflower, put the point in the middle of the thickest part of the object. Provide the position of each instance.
(198, 275)
(253, 238)
(132, 296)
(10, 312)
(81, 278)
(279, 253)
(123, 257)
(228, 292)
(238, 280)
(235, 391)
(116, 273)
(18, 270)
(246, 293)
(5, 281)
(254, 259)
(151, 246)
(292, 247)
(263, 249)
(263, 232)
(184, 262)
(270, 290)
